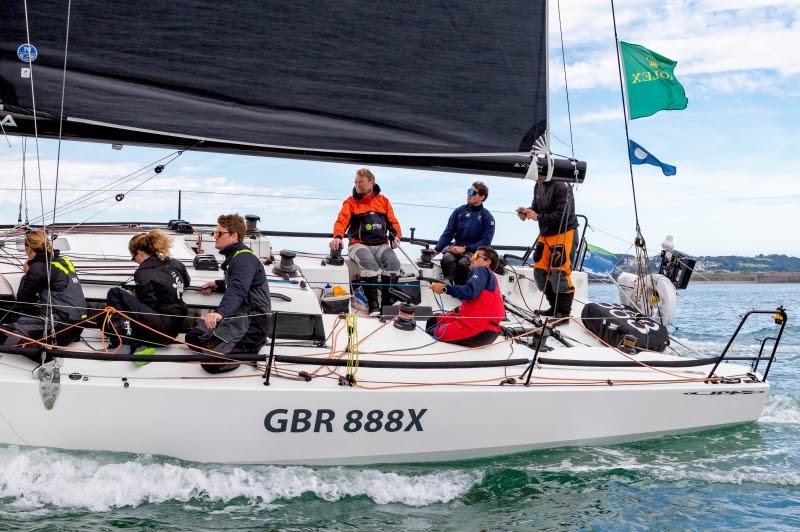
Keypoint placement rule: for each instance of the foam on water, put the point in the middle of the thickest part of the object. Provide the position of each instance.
(34, 478)
(782, 409)
(769, 467)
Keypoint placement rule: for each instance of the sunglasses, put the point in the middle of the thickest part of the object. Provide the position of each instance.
(477, 255)
(472, 192)
(216, 233)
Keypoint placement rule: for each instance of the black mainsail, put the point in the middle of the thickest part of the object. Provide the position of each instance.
(440, 84)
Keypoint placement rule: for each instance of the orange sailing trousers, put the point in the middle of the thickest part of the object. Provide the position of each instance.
(552, 255)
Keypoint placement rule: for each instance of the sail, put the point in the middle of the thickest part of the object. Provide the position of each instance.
(442, 84)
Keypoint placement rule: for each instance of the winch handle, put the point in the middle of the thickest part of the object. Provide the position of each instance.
(421, 277)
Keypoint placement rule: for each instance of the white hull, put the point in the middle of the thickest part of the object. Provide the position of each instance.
(218, 419)
(179, 410)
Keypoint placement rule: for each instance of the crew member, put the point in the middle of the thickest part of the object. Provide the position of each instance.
(241, 322)
(60, 290)
(469, 227)
(368, 220)
(553, 207)
(156, 305)
(476, 321)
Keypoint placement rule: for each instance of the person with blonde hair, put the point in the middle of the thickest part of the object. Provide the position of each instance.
(367, 219)
(39, 290)
(157, 299)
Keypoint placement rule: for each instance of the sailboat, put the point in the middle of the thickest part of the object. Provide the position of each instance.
(442, 87)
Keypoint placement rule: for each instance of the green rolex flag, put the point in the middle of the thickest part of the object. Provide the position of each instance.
(650, 82)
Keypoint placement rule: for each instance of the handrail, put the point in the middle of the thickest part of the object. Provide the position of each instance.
(780, 318)
(581, 247)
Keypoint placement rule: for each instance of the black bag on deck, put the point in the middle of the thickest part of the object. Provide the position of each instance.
(611, 322)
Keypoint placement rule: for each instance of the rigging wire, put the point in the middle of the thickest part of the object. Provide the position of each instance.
(119, 182)
(642, 260)
(61, 111)
(625, 115)
(49, 316)
(23, 189)
(566, 84)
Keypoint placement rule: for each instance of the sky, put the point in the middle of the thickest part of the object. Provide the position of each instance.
(735, 147)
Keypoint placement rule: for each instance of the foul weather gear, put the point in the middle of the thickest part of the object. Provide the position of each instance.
(158, 306)
(477, 320)
(245, 308)
(367, 219)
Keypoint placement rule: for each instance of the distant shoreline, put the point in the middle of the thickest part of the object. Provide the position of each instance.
(746, 277)
(739, 277)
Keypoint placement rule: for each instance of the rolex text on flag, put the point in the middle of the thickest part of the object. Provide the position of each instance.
(650, 81)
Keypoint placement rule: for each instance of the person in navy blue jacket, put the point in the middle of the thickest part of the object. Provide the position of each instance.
(469, 227)
(476, 321)
(241, 323)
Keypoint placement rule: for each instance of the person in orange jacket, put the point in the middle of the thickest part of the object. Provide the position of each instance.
(368, 221)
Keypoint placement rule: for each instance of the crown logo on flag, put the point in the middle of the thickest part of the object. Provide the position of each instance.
(653, 63)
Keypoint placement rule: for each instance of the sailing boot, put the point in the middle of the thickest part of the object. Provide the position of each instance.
(550, 295)
(564, 304)
(387, 282)
(117, 330)
(370, 285)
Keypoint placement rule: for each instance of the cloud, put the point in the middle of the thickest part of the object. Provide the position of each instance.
(732, 46)
(88, 190)
(606, 114)
(789, 200)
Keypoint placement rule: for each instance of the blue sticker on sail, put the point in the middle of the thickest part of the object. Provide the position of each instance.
(27, 52)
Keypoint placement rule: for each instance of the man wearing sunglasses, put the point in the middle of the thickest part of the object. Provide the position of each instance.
(553, 207)
(367, 219)
(242, 320)
(469, 227)
(476, 321)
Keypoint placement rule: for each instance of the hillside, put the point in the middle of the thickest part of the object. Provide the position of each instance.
(729, 263)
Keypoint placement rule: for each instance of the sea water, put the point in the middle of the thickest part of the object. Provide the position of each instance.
(746, 476)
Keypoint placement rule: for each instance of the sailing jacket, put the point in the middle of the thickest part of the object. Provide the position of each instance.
(65, 291)
(160, 285)
(470, 226)
(550, 201)
(366, 219)
(482, 309)
(245, 283)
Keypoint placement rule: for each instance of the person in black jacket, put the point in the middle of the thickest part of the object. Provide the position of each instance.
(469, 227)
(156, 305)
(39, 291)
(241, 322)
(553, 207)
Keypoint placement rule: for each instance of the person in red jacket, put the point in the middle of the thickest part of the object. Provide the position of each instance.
(476, 321)
(368, 220)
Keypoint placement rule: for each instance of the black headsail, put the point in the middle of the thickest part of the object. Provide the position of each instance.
(435, 84)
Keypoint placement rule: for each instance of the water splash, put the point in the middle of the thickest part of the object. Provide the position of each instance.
(782, 409)
(34, 478)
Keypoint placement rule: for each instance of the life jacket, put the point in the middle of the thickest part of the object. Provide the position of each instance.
(367, 219)
(485, 312)
(369, 228)
(70, 302)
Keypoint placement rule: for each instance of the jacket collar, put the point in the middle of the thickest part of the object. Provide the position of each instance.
(233, 248)
(151, 262)
(375, 191)
(40, 256)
